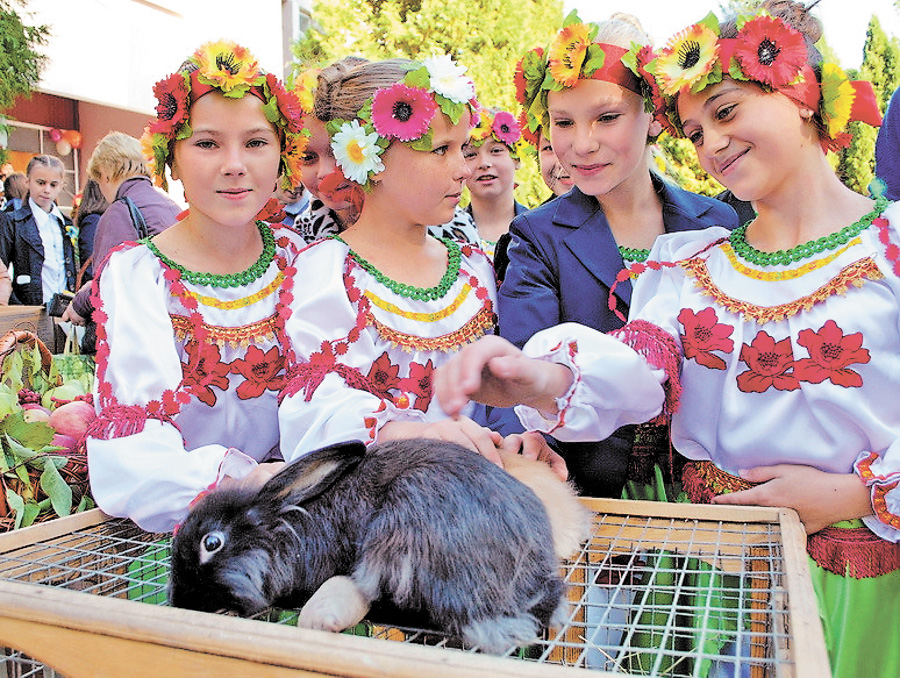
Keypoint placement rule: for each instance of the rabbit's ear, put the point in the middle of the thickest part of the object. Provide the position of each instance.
(313, 473)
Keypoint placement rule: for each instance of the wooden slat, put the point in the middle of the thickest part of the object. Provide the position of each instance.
(94, 637)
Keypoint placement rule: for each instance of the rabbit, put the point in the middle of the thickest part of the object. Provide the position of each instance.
(423, 529)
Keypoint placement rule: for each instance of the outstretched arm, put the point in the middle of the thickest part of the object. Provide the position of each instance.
(494, 372)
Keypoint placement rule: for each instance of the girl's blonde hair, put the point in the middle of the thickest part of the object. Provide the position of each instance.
(117, 156)
(622, 30)
(345, 86)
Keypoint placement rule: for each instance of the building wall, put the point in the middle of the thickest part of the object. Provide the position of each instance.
(104, 56)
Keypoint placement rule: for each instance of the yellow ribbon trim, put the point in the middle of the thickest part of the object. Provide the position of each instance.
(420, 317)
(790, 274)
(242, 302)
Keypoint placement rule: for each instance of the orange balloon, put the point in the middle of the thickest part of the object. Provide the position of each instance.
(73, 137)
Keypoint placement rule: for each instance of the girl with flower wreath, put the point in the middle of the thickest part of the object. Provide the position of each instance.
(336, 202)
(493, 160)
(391, 302)
(588, 92)
(773, 349)
(191, 347)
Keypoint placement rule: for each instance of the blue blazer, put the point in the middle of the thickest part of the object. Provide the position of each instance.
(20, 245)
(563, 261)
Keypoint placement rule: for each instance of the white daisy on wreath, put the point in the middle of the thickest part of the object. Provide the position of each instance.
(357, 151)
(449, 79)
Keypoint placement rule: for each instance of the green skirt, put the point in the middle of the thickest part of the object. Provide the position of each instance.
(861, 621)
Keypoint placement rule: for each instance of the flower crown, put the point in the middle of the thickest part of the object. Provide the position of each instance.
(402, 111)
(500, 125)
(572, 56)
(230, 69)
(770, 52)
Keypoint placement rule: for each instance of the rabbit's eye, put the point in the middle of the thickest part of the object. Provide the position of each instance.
(211, 542)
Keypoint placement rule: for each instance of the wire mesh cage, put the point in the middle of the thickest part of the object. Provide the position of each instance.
(657, 590)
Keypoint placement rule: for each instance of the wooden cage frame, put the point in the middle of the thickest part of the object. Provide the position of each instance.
(83, 635)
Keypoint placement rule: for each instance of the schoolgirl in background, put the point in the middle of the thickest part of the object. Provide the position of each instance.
(493, 160)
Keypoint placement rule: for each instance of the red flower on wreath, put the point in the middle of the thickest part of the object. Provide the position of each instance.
(172, 109)
(831, 352)
(203, 370)
(261, 371)
(770, 51)
(769, 362)
(288, 103)
(703, 334)
(384, 375)
(420, 383)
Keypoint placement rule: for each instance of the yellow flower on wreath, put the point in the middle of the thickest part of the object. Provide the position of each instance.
(305, 87)
(838, 94)
(688, 58)
(484, 128)
(227, 65)
(567, 54)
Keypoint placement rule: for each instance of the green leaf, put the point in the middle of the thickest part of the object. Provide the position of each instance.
(37, 365)
(57, 490)
(711, 22)
(85, 504)
(13, 370)
(31, 511)
(423, 143)
(418, 78)
(17, 504)
(20, 452)
(571, 18)
(34, 434)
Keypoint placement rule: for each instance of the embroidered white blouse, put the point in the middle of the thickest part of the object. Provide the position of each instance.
(796, 364)
(366, 353)
(188, 381)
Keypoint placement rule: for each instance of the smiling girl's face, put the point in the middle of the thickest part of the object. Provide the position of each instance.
(599, 131)
(747, 139)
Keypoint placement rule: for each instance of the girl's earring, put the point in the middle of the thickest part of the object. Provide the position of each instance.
(806, 113)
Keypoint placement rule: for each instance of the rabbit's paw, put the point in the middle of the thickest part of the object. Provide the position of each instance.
(335, 606)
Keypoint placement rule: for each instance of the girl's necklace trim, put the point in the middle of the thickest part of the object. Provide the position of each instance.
(789, 274)
(454, 256)
(785, 257)
(420, 317)
(633, 253)
(229, 279)
(243, 301)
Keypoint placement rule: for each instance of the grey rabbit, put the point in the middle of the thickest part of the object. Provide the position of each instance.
(425, 530)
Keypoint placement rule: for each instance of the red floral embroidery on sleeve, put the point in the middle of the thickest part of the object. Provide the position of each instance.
(384, 375)
(768, 362)
(260, 370)
(203, 370)
(831, 352)
(419, 382)
(703, 334)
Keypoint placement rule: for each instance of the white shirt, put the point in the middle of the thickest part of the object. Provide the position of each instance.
(50, 228)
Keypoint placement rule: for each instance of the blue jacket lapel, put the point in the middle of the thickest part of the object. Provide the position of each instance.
(591, 241)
